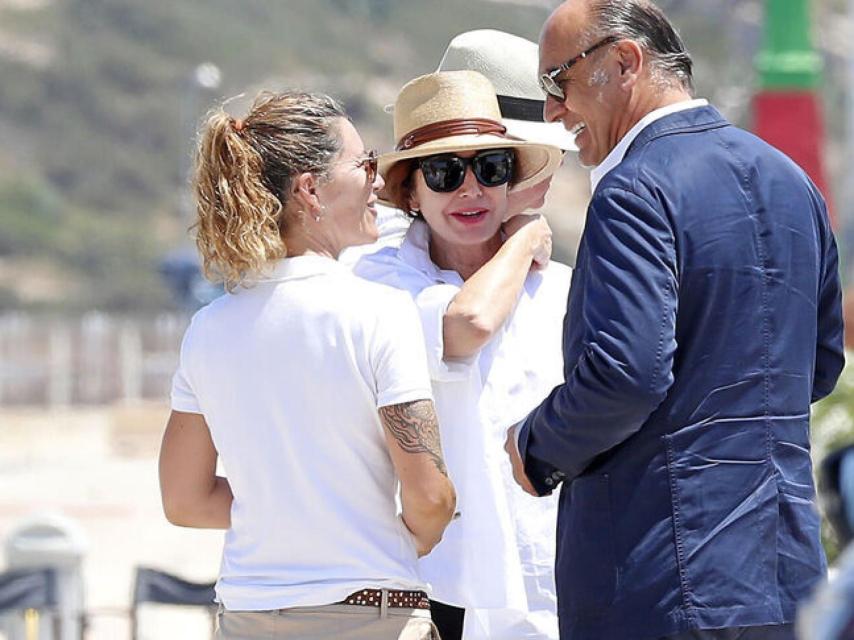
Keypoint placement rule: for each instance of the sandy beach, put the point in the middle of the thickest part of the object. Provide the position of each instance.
(98, 467)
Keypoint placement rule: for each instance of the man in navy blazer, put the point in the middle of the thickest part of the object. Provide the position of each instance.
(704, 318)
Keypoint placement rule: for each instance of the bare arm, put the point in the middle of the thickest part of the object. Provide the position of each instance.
(428, 497)
(490, 294)
(193, 495)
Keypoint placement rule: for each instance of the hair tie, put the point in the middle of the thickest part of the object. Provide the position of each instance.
(238, 125)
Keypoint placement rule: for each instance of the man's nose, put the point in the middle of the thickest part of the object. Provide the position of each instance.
(553, 109)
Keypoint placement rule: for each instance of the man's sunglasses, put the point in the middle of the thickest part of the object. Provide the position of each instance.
(548, 81)
(446, 172)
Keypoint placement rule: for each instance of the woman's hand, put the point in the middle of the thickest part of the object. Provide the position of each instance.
(535, 231)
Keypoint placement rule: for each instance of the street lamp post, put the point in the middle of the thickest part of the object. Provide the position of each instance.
(180, 268)
(203, 80)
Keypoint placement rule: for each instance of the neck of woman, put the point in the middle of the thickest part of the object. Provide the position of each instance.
(464, 259)
(307, 244)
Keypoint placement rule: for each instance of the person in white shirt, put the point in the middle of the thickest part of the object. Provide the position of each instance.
(309, 384)
(491, 306)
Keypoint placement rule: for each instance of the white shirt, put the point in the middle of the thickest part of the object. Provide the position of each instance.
(497, 558)
(289, 374)
(619, 152)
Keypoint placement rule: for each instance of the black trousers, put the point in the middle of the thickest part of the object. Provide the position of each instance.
(772, 632)
(448, 620)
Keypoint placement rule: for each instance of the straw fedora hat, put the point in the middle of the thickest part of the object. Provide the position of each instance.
(456, 111)
(510, 64)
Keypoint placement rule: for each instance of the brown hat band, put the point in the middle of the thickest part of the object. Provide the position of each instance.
(448, 128)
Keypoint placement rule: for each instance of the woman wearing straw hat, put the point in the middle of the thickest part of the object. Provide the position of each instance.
(510, 63)
(491, 308)
(310, 384)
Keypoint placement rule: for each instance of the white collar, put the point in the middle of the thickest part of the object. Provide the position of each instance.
(618, 153)
(415, 251)
(296, 268)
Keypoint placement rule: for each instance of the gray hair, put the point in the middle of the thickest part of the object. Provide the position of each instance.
(646, 24)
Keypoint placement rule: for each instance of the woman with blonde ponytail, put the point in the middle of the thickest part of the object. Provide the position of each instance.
(309, 383)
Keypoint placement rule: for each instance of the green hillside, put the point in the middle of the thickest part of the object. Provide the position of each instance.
(98, 107)
(97, 131)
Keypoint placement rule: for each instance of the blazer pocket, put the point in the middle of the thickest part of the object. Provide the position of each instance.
(587, 548)
(724, 507)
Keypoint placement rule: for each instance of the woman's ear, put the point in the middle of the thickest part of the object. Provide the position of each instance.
(412, 201)
(304, 191)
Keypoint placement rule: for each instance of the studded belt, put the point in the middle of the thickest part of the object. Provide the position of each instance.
(395, 598)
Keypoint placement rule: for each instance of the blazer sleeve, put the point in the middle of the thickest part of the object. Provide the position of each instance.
(628, 291)
(830, 352)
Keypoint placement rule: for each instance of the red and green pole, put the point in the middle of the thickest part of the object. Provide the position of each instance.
(787, 110)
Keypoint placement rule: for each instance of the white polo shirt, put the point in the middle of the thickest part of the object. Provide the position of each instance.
(289, 374)
(497, 558)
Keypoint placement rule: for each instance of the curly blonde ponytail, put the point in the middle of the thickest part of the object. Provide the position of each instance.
(243, 175)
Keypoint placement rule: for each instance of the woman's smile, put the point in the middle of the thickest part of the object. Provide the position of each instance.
(469, 216)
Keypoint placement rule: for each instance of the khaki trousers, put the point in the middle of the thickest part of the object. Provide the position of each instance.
(333, 621)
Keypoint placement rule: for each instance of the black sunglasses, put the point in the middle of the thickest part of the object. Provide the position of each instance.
(446, 172)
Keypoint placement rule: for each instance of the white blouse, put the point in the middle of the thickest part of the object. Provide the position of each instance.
(497, 558)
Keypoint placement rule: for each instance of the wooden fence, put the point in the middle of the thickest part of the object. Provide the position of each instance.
(90, 360)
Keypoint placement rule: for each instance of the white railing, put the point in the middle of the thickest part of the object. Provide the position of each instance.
(89, 360)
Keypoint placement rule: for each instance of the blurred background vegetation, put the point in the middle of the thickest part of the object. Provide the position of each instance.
(100, 100)
(833, 428)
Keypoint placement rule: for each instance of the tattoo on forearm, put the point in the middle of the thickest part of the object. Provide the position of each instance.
(415, 428)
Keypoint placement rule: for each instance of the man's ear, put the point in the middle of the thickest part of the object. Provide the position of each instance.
(631, 61)
(304, 191)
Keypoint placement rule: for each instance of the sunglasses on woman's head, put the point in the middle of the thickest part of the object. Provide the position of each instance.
(446, 172)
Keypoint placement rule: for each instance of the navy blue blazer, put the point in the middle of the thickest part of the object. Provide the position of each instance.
(704, 318)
